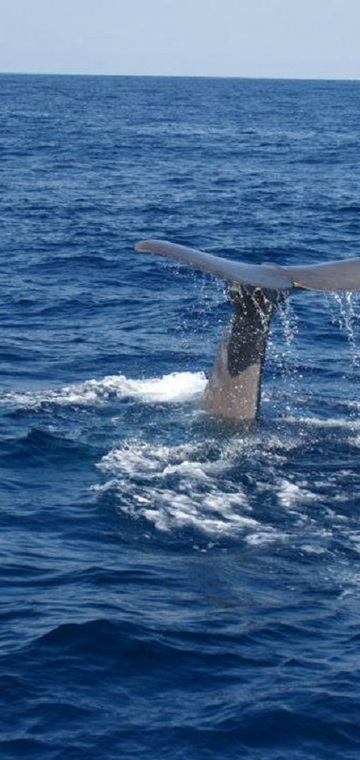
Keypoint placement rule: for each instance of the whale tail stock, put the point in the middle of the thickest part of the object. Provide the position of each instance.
(234, 387)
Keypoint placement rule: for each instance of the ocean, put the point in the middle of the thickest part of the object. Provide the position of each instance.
(174, 587)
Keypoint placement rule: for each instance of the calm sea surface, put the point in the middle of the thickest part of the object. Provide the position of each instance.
(172, 588)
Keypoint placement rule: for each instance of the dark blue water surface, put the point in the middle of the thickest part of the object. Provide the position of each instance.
(172, 588)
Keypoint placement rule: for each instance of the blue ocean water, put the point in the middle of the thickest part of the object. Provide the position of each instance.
(173, 588)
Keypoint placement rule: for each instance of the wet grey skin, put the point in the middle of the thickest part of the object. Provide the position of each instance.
(233, 390)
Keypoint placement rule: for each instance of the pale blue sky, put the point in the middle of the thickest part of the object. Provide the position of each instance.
(246, 38)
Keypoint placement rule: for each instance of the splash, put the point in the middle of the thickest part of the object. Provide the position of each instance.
(199, 486)
(283, 353)
(345, 317)
(176, 487)
(177, 387)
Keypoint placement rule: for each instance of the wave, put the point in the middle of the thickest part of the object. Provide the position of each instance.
(262, 487)
(176, 387)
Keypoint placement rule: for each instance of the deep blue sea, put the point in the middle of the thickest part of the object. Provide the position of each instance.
(172, 587)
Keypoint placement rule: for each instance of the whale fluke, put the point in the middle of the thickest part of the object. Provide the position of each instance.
(260, 276)
(330, 277)
(234, 387)
(334, 276)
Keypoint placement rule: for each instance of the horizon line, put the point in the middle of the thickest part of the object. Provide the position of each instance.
(182, 76)
(310, 78)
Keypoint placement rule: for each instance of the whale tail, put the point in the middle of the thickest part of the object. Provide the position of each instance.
(234, 387)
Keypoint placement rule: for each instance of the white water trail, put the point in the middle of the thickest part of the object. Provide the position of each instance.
(176, 387)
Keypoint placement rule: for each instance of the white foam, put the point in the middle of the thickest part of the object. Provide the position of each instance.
(206, 486)
(331, 422)
(178, 487)
(292, 495)
(199, 485)
(177, 387)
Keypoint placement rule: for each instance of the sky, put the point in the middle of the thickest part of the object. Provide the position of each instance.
(238, 38)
